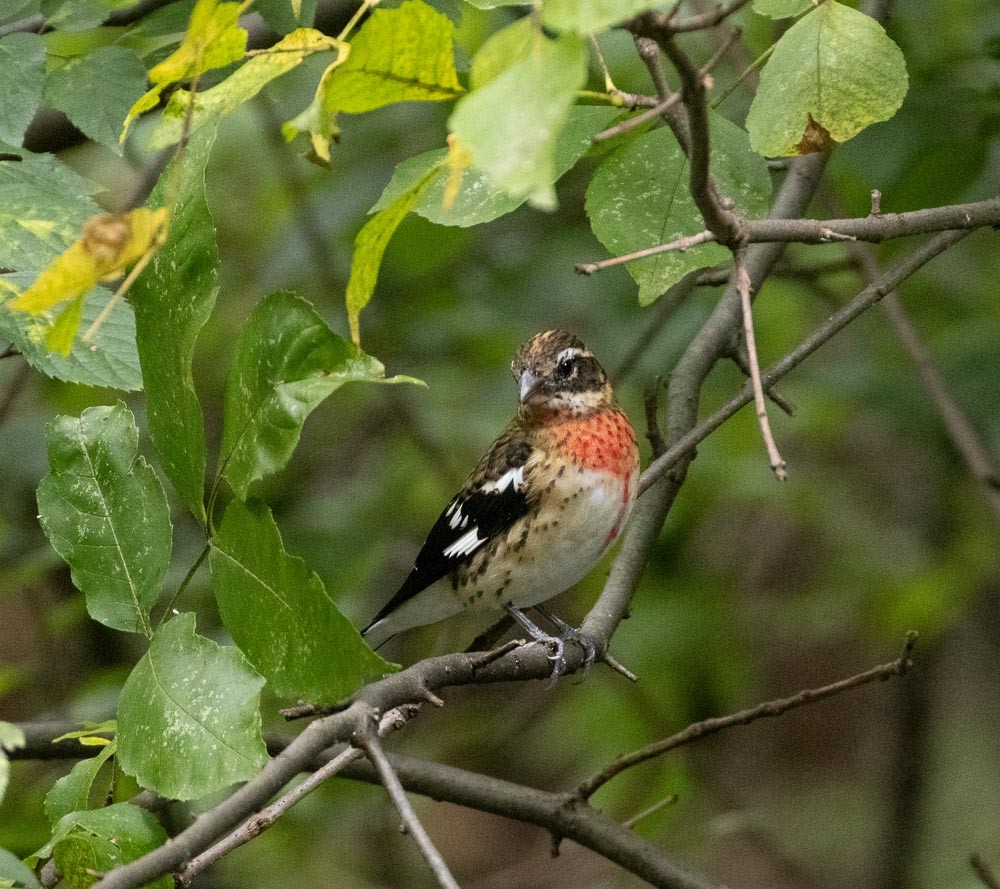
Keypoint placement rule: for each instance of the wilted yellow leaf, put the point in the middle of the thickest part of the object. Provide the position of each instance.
(109, 244)
(214, 39)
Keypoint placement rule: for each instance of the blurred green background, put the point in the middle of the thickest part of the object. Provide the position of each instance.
(756, 588)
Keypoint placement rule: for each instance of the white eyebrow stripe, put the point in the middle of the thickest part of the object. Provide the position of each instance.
(513, 477)
(467, 543)
(572, 352)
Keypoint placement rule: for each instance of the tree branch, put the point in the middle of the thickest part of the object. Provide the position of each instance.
(899, 667)
(682, 449)
(874, 229)
(387, 775)
(254, 826)
(984, 873)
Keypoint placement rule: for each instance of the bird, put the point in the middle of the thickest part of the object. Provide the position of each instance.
(544, 504)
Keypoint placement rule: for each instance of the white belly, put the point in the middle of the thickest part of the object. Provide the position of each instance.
(585, 515)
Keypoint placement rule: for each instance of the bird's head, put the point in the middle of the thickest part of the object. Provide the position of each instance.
(557, 374)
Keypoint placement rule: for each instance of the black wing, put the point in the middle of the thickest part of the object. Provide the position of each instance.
(475, 516)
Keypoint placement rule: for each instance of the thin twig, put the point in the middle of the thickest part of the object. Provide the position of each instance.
(668, 800)
(631, 123)
(373, 748)
(257, 824)
(680, 246)
(742, 361)
(743, 289)
(983, 871)
(899, 667)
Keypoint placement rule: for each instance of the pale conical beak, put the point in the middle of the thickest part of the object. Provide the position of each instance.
(529, 383)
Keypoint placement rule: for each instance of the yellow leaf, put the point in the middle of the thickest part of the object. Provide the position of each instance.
(109, 244)
(459, 160)
(214, 39)
(63, 331)
(94, 741)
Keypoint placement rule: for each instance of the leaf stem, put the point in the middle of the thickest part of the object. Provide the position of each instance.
(185, 582)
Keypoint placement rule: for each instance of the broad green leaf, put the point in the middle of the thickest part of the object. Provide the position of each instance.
(188, 715)
(287, 15)
(108, 359)
(71, 793)
(478, 200)
(11, 738)
(503, 49)
(43, 206)
(369, 247)
(399, 55)
(173, 298)
(90, 843)
(833, 73)
(241, 86)
(104, 511)
(781, 9)
(512, 143)
(75, 15)
(639, 198)
(22, 70)
(15, 871)
(587, 16)
(280, 615)
(97, 90)
(287, 361)
(214, 39)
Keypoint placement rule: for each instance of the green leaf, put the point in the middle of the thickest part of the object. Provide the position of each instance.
(43, 206)
(503, 49)
(781, 9)
(71, 793)
(587, 16)
(97, 90)
(280, 615)
(287, 361)
(14, 870)
(833, 73)
(287, 15)
(11, 738)
(512, 142)
(241, 86)
(369, 247)
(478, 200)
(109, 359)
(399, 55)
(639, 198)
(188, 715)
(90, 843)
(104, 511)
(91, 731)
(22, 70)
(76, 15)
(173, 298)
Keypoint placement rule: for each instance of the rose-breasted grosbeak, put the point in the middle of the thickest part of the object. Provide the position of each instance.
(544, 504)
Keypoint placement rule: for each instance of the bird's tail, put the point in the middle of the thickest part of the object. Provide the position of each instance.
(377, 633)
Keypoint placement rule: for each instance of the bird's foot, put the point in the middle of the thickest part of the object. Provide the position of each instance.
(569, 633)
(556, 645)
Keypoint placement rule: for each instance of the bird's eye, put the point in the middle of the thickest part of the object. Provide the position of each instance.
(564, 368)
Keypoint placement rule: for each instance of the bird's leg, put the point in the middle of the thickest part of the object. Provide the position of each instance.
(555, 643)
(570, 633)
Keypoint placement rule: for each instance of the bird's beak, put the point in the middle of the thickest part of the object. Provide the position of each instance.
(529, 384)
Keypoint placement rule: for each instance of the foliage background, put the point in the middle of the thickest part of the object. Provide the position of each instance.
(756, 588)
